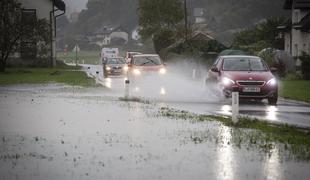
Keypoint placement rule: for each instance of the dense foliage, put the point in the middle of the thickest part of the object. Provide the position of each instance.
(222, 16)
(14, 30)
(263, 35)
(305, 66)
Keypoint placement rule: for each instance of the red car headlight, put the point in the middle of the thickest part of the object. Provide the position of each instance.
(272, 82)
(226, 81)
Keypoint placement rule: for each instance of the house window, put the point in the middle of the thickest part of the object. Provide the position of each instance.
(28, 44)
(296, 50)
(296, 18)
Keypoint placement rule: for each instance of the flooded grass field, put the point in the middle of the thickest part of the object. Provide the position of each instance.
(65, 132)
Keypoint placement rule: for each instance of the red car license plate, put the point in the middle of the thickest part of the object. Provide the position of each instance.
(251, 89)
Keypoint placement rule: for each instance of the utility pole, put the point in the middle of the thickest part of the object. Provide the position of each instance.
(186, 21)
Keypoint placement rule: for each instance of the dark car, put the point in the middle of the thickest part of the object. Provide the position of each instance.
(114, 66)
(250, 75)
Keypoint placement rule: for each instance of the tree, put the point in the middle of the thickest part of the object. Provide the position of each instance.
(156, 16)
(16, 29)
(160, 20)
(264, 35)
(10, 29)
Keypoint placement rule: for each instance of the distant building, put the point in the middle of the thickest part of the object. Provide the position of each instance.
(40, 9)
(200, 35)
(108, 35)
(199, 15)
(135, 34)
(74, 17)
(297, 31)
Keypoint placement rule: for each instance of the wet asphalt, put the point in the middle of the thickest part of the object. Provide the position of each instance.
(205, 100)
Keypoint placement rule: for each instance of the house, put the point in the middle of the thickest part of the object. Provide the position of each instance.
(297, 30)
(108, 35)
(119, 36)
(199, 15)
(201, 35)
(100, 37)
(41, 9)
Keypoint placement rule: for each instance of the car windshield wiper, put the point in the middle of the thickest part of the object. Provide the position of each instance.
(144, 63)
(250, 68)
(149, 61)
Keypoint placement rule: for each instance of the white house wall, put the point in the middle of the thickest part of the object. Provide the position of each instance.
(300, 40)
(43, 7)
(287, 40)
(122, 35)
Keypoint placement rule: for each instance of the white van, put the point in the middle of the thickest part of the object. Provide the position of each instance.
(109, 53)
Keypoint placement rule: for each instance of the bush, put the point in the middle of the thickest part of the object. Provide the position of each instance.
(163, 39)
(305, 66)
(293, 76)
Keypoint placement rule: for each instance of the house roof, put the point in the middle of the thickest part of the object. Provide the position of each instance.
(285, 27)
(304, 23)
(199, 35)
(297, 4)
(59, 4)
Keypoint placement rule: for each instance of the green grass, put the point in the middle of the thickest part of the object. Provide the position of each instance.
(297, 90)
(89, 57)
(254, 133)
(67, 75)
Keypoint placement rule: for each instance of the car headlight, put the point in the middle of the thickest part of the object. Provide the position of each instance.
(226, 81)
(136, 71)
(125, 68)
(272, 82)
(162, 71)
(108, 68)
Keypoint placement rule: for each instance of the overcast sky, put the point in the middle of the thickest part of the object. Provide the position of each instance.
(75, 5)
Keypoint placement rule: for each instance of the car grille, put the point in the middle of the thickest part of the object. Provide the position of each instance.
(251, 83)
(253, 93)
(116, 68)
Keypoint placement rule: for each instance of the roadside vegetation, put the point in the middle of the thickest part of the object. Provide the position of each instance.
(252, 133)
(87, 57)
(68, 75)
(296, 89)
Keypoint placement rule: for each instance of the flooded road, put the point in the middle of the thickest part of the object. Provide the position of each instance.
(63, 132)
(192, 95)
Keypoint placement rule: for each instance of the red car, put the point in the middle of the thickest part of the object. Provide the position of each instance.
(250, 75)
(146, 64)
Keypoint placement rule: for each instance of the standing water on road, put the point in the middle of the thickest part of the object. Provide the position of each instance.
(77, 133)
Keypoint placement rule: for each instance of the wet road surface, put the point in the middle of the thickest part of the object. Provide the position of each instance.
(63, 132)
(193, 96)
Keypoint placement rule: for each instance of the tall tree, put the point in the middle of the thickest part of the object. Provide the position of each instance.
(155, 16)
(10, 29)
(15, 29)
(264, 35)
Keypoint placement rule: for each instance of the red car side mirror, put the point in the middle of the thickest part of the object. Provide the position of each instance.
(215, 69)
(273, 69)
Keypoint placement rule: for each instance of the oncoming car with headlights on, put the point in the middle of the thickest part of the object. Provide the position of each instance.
(145, 64)
(147, 73)
(114, 66)
(249, 74)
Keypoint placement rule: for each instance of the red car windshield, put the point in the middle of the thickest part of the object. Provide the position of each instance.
(146, 60)
(244, 64)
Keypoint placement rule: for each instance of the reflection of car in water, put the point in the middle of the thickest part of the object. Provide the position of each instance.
(114, 66)
(145, 64)
(249, 74)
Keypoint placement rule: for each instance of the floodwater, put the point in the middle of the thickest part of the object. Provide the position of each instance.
(63, 132)
(179, 90)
